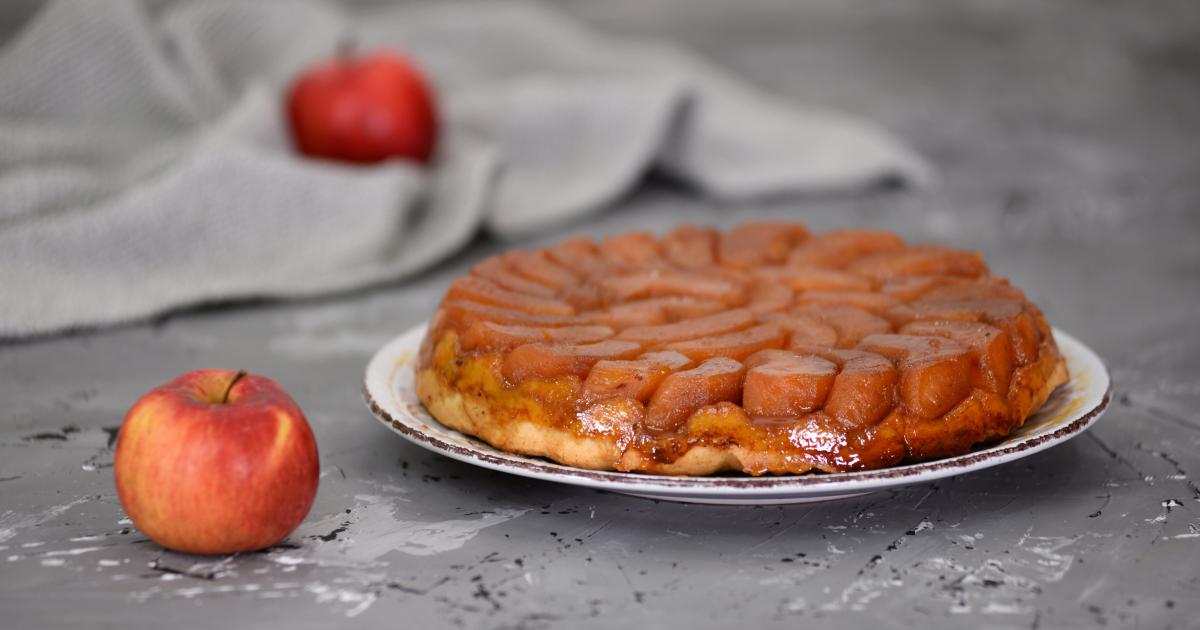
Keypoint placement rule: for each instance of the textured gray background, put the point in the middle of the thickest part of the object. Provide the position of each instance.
(1069, 138)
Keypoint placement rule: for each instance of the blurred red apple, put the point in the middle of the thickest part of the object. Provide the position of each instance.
(364, 109)
(216, 462)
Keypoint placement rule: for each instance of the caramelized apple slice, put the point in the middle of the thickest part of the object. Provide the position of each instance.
(850, 322)
(875, 302)
(662, 334)
(734, 345)
(922, 260)
(981, 289)
(680, 394)
(635, 379)
(690, 247)
(490, 336)
(673, 360)
(634, 249)
(865, 388)
(652, 283)
(580, 255)
(462, 313)
(539, 267)
(838, 248)
(479, 290)
(495, 270)
(990, 347)
(935, 372)
(1011, 316)
(548, 360)
(769, 297)
(816, 279)
(786, 387)
(762, 357)
(654, 311)
(909, 288)
(804, 331)
(584, 297)
(980, 416)
(753, 244)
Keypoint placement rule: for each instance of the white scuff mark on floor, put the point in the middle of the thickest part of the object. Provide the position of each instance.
(858, 594)
(358, 600)
(192, 592)
(869, 584)
(1167, 506)
(1048, 562)
(11, 523)
(53, 562)
(354, 590)
(223, 567)
(390, 488)
(1192, 532)
(793, 605)
(800, 573)
(998, 608)
(922, 526)
(831, 548)
(1003, 584)
(372, 530)
(69, 552)
(378, 536)
(342, 555)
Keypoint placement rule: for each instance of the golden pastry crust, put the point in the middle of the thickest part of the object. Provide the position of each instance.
(868, 359)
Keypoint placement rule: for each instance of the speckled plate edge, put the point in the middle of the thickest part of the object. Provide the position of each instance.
(1071, 409)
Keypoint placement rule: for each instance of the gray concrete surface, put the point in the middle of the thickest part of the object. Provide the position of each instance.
(1069, 138)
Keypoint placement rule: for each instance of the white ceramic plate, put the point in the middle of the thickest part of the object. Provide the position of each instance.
(1071, 409)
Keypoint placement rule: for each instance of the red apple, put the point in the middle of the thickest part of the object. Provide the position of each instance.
(364, 109)
(216, 462)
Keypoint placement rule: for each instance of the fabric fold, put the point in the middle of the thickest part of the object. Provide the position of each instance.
(145, 163)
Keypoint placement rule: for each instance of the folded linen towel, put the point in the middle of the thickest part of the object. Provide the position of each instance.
(145, 164)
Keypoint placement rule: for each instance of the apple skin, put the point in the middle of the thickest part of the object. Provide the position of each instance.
(364, 109)
(205, 467)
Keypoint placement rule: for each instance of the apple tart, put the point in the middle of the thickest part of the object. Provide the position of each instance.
(764, 349)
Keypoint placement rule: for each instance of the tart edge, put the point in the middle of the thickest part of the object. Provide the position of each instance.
(473, 415)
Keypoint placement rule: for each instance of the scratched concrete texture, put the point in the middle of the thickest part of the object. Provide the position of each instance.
(1068, 136)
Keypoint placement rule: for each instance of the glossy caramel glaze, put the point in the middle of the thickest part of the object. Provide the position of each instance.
(763, 349)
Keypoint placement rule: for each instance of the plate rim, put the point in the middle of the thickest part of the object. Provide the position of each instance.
(747, 487)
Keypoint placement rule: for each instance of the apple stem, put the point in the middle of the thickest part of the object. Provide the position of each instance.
(236, 377)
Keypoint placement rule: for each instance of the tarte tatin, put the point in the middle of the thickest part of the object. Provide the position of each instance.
(764, 349)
